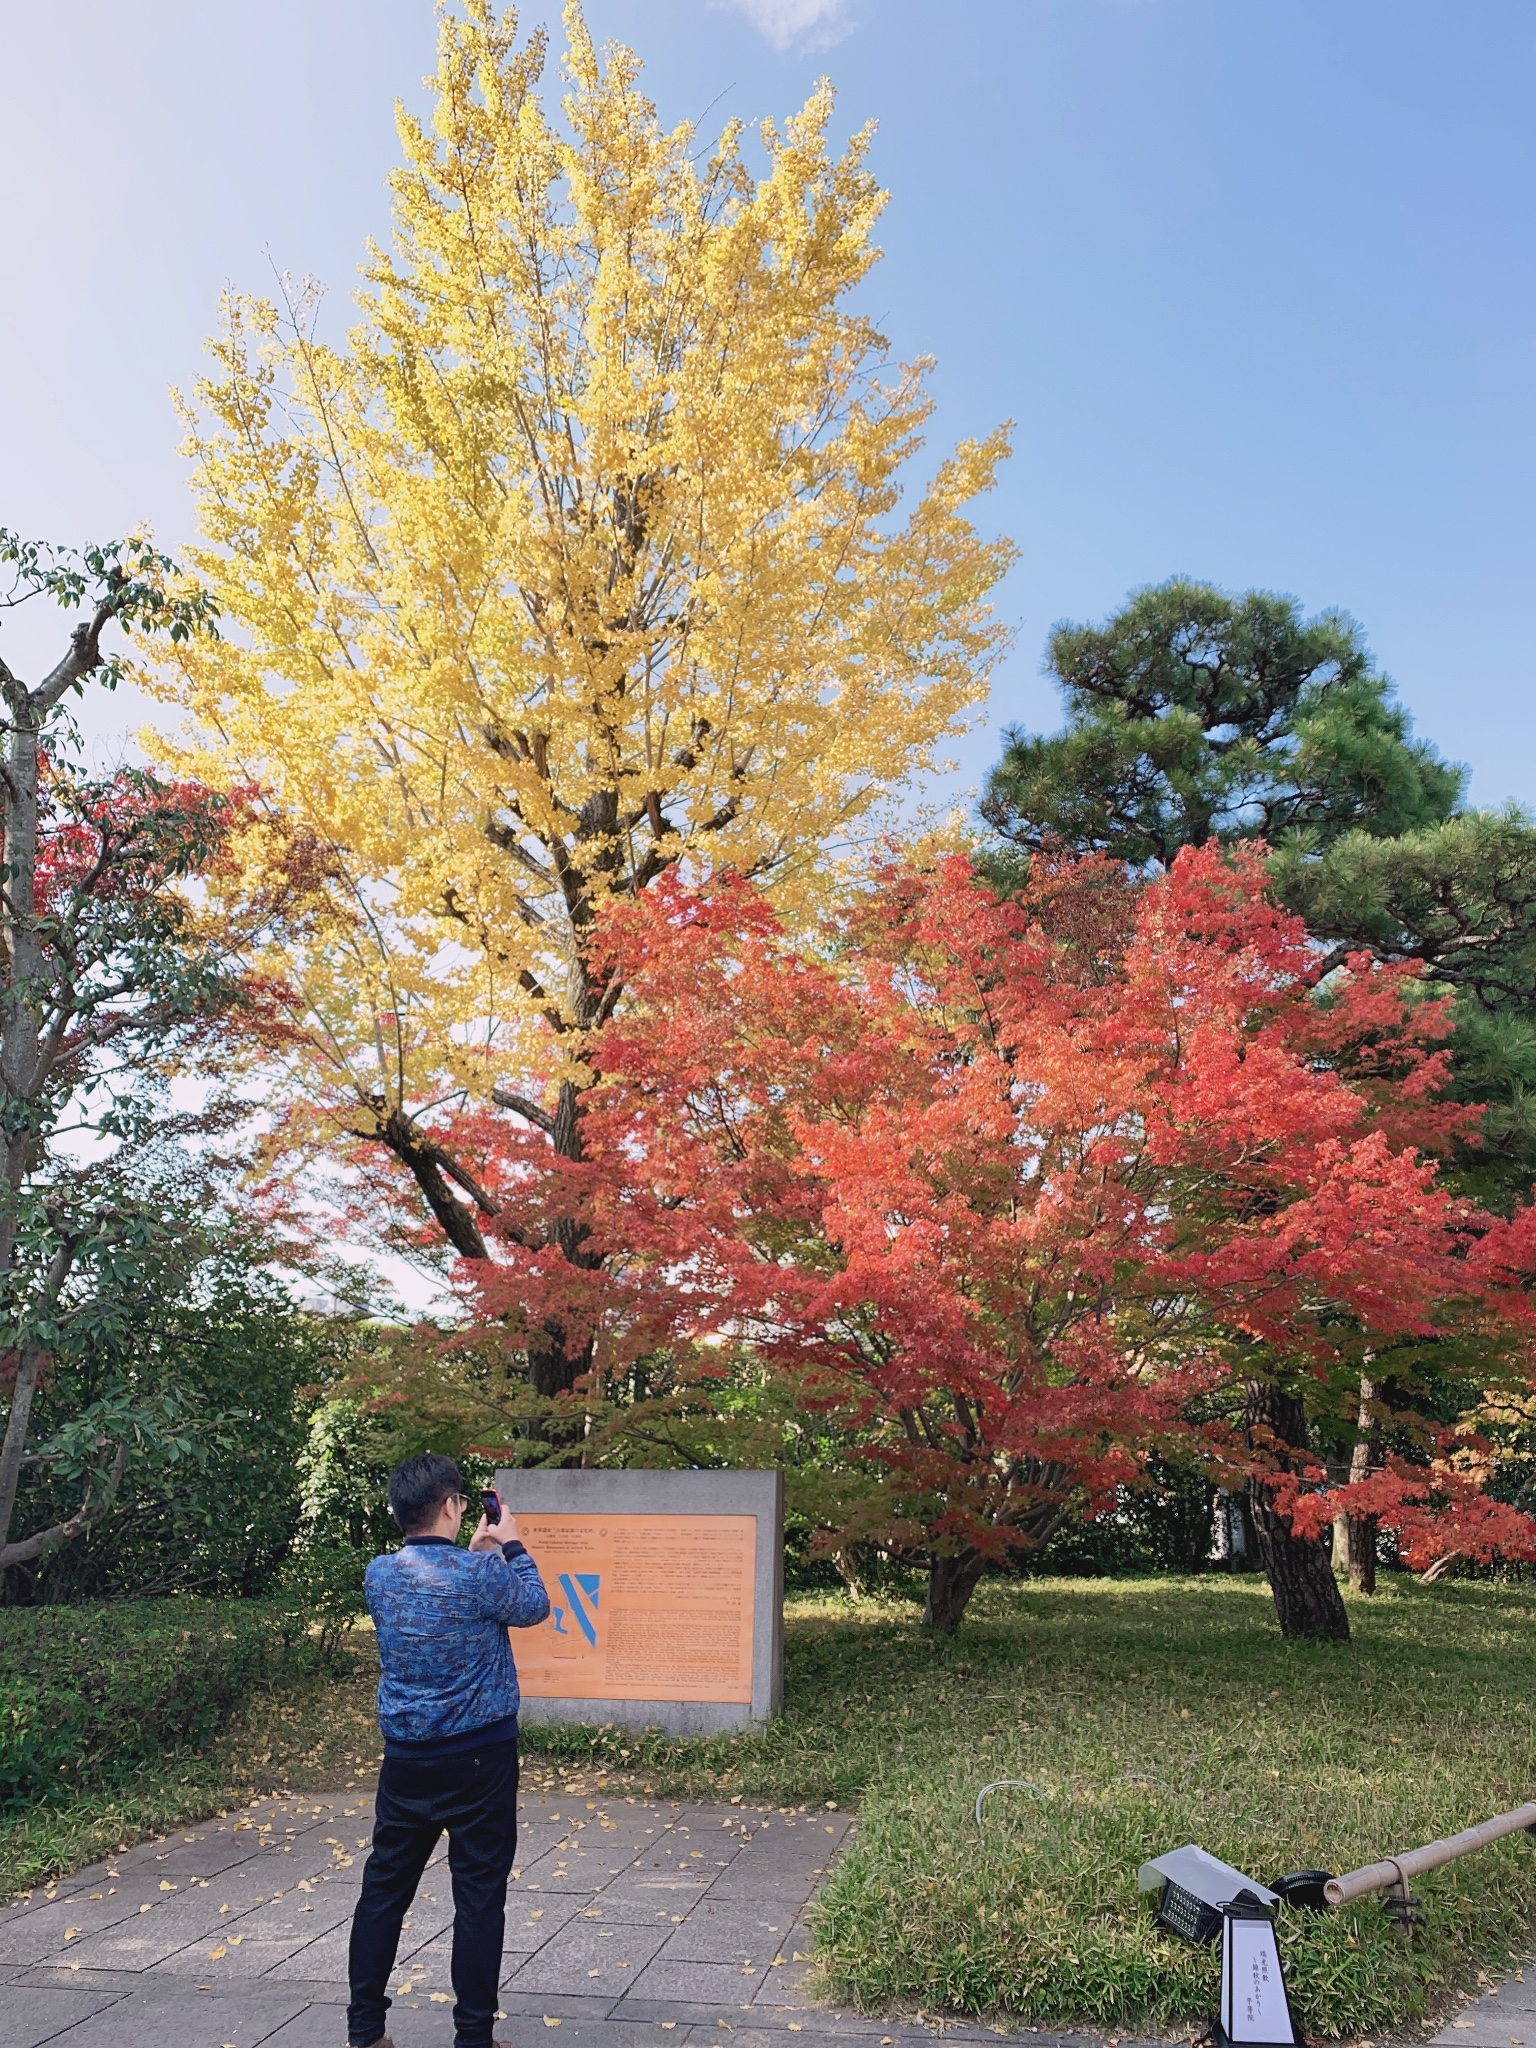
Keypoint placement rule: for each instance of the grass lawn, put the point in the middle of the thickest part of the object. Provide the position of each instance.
(1144, 1713)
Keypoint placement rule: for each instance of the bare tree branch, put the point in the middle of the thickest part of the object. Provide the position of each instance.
(507, 1098)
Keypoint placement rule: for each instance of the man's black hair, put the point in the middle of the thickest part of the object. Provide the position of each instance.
(418, 1487)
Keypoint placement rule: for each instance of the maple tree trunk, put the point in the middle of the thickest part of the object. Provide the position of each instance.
(432, 1170)
(1306, 1594)
(556, 1364)
(1361, 1545)
(951, 1582)
(847, 1568)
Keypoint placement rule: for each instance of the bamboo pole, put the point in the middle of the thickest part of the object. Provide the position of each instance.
(1396, 1870)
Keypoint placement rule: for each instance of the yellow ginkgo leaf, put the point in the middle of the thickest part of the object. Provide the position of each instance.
(524, 609)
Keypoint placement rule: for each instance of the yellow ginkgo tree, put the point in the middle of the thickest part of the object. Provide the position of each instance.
(583, 557)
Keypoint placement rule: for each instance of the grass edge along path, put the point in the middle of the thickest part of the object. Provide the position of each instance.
(1144, 1713)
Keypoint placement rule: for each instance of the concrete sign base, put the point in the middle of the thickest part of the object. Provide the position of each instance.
(667, 1591)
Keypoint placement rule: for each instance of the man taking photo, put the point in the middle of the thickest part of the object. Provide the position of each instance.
(448, 1702)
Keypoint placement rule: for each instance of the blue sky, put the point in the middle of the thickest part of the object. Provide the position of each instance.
(1255, 278)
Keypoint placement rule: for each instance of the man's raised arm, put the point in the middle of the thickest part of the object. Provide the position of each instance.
(509, 1587)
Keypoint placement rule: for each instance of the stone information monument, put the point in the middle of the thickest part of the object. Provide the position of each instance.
(666, 1593)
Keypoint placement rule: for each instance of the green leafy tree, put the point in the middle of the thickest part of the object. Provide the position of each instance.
(212, 1375)
(1458, 896)
(104, 985)
(1460, 899)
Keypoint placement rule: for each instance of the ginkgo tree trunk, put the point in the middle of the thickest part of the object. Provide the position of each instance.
(581, 558)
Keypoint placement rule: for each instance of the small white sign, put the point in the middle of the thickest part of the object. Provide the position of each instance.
(1252, 1991)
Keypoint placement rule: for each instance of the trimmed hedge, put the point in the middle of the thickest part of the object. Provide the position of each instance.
(88, 1693)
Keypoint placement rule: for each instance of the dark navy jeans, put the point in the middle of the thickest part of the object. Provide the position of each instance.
(473, 1794)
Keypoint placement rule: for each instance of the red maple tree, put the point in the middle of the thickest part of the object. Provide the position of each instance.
(1016, 1192)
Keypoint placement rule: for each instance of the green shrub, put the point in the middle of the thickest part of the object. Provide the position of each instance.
(211, 1505)
(343, 1468)
(319, 1595)
(88, 1693)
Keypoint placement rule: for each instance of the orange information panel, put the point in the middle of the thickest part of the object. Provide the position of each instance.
(643, 1607)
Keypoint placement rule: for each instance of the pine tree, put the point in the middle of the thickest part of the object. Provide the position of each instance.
(1193, 715)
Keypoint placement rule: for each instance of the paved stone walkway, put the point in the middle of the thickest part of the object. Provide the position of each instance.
(630, 1924)
(1503, 2018)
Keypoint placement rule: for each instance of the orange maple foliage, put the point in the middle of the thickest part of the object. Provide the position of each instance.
(1017, 1192)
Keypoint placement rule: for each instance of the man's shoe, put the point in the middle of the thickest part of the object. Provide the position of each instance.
(382, 2042)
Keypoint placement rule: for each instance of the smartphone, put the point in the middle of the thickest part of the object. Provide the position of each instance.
(490, 1504)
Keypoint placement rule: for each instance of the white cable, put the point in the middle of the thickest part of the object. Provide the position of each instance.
(997, 1785)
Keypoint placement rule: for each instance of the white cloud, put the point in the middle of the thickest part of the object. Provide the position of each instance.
(814, 24)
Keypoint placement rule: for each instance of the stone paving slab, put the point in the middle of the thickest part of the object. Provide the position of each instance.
(586, 1958)
(33, 2014)
(1504, 2017)
(628, 1920)
(170, 2015)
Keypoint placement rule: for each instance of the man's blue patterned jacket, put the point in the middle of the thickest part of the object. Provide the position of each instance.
(442, 1616)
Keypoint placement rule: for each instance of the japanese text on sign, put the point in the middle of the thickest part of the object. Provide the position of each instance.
(1259, 2011)
(643, 1607)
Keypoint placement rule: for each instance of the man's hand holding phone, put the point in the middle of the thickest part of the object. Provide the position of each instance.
(496, 1525)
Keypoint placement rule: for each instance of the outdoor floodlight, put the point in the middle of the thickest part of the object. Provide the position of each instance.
(1195, 1887)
